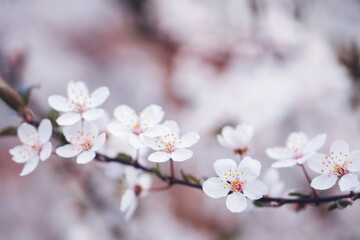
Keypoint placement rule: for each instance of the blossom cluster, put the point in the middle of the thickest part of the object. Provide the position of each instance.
(237, 179)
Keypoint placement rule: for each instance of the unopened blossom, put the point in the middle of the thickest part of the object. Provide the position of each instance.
(339, 165)
(236, 183)
(79, 103)
(171, 145)
(137, 186)
(236, 139)
(83, 140)
(298, 149)
(35, 145)
(133, 126)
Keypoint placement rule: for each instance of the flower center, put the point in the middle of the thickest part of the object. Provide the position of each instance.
(80, 108)
(137, 190)
(87, 145)
(340, 170)
(237, 186)
(137, 129)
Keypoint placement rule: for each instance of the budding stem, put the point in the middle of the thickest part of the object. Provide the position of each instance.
(314, 191)
(172, 169)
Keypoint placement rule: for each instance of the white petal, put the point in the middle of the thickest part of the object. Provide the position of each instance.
(223, 165)
(45, 131)
(118, 129)
(99, 142)
(236, 202)
(323, 182)
(277, 153)
(354, 162)
(60, 103)
(255, 189)
(127, 199)
(135, 141)
(172, 125)
(144, 180)
(151, 115)
(242, 135)
(45, 152)
(85, 157)
(152, 143)
(214, 188)
(77, 91)
(80, 132)
(126, 115)
(92, 114)
(20, 154)
(348, 182)
(131, 210)
(318, 163)
(224, 143)
(180, 155)
(27, 134)
(159, 157)
(30, 165)
(227, 132)
(251, 167)
(68, 151)
(339, 146)
(284, 163)
(69, 118)
(131, 174)
(315, 143)
(188, 139)
(98, 97)
(155, 131)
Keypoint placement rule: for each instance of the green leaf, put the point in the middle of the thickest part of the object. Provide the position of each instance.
(8, 131)
(342, 204)
(300, 194)
(260, 204)
(157, 171)
(332, 206)
(124, 157)
(25, 91)
(189, 177)
(53, 115)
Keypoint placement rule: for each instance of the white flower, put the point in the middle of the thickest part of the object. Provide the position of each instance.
(236, 139)
(171, 145)
(137, 186)
(272, 179)
(236, 182)
(79, 103)
(134, 126)
(35, 144)
(339, 165)
(84, 141)
(298, 150)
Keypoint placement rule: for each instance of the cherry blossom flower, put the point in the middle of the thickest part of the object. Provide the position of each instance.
(236, 139)
(137, 186)
(79, 103)
(236, 182)
(171, 145)
(83, 141)
(339, 165)
(298, 150)
(35, 145)
(135, 126)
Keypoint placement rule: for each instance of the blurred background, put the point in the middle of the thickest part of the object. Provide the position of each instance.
(281, 66)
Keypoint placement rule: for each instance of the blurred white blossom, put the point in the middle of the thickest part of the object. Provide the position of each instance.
(236, 139)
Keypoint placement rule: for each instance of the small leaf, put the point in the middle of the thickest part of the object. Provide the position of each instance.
(9, 131)
(52, 116)
(332, 207)
(299, 194)
(157, 171)
(260, 204)
(342, 204)
(189, 177)
(124, 157)
(25, 91)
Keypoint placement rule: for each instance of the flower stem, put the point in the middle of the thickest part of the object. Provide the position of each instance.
(314, 191)
(172, 169)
